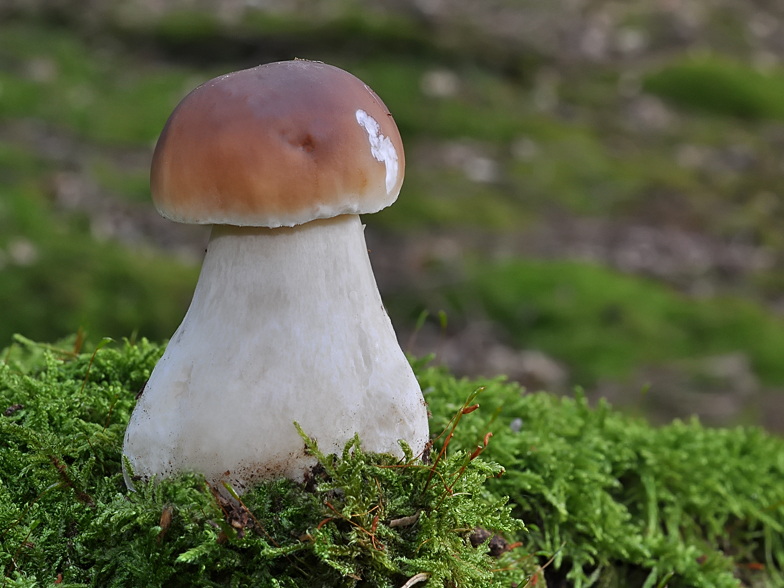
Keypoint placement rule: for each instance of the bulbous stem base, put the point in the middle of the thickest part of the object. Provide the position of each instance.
(285, 325)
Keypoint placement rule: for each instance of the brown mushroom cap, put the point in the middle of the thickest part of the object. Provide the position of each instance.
(277, 145)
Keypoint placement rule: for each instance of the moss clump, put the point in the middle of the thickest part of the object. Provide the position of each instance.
(720, 86)
(361, 520)
(608, 500)
(618, 502)
(605, 325)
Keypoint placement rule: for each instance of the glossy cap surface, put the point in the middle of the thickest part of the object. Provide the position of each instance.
(277, 145)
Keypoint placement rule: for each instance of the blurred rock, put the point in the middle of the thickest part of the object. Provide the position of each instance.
(762, 25)
(525, 149)
(648, 113)
(631, 41)
(532, 369)
(429, 8)
(692, 156)
(22, 252)
(680, 257)
(737, 158)
(466, 352)
(445, 249)
(42, 70)
(731, 372)
(482, 170)
(595, 39)
(470, 158)
(690, 16)
(477, 351)
(721, 390)
(439, 83)
(712, 408)
(770, 410)
(666, 393)
(73, 190)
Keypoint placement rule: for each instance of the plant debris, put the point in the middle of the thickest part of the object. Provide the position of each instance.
(12, 409)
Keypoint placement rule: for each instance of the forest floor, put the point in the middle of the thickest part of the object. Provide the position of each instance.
(593, 193)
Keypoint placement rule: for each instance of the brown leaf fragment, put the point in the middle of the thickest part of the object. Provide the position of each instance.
(479, 536)
(12, 409)
(165, 523)
(405, 521)
(497, 545)
(234, 513)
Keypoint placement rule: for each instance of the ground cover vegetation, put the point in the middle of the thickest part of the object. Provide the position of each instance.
(644, 118)
(602, 323)
(674, 127)
(360, 520)
(606, 499)
(677, 136)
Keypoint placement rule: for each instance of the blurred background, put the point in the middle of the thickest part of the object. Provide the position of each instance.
(593, 194)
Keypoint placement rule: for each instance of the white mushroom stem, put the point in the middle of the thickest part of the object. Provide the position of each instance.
(285, 325)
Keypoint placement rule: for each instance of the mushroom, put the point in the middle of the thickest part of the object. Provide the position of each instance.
(286, 322)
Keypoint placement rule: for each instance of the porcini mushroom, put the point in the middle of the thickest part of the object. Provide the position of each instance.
(286, 322)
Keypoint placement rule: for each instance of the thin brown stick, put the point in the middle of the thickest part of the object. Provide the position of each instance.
(109, 416)
(16, 554)
(370, 534)
(95, 453)
(67, 481)
(98, 347)
(541, 568)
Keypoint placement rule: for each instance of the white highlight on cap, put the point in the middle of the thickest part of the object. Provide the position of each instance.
(380, 146)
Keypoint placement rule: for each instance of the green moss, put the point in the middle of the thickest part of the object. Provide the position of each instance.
(100, 96)
(70, 512)
(187, 26)
(72, 281)
(446, 198)
(133, 184)
(721, 86)
(349, 28)
(608, 500)
(621, 503)
(487, 107)
(603, 324)
(16, 163)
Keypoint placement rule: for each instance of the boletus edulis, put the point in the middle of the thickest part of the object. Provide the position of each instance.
(286, 322)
